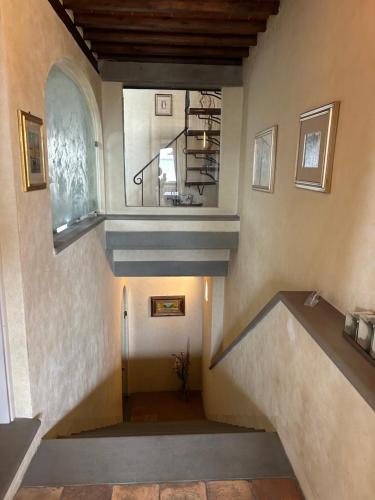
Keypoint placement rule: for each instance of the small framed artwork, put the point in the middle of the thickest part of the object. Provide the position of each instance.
(316, 148)
(163, 104)
(168, 306)
(32, 151)
(264, 160)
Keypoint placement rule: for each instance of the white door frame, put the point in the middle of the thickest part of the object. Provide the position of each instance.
(6, 401)
(124, 345)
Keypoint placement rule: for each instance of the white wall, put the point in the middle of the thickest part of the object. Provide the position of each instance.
(298, 239)
(153, 340)
(63, 310)
(279, 378)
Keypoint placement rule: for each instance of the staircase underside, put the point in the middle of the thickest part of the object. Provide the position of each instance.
(159, 458)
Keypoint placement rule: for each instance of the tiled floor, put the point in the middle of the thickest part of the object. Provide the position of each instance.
(260, 489)
(165, 406)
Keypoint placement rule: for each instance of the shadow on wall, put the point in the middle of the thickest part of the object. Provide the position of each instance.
(94, 411)
(157, 374)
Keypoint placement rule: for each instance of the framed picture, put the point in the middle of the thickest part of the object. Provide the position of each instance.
(32, 151)
(316, 148)
(264, 160)
(168, 306)
(163, 104)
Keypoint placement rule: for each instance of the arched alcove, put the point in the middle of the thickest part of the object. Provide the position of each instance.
(73, 130)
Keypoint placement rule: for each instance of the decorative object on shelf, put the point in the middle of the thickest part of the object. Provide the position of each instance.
(359, 330)
(313, 299)
(168, 306)
(181, 368)
(163, 105)
(264, 160)
(316, 148)
(32, 151)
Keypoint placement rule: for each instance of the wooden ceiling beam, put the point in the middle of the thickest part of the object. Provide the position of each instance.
(145, 38)
(167, 24)
(225, 9)
(169, 50)
(172, 60)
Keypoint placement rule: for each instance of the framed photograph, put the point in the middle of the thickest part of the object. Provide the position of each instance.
(168, 306)
(264, 160)
(316, 148)
(163, 104)
(32, 151)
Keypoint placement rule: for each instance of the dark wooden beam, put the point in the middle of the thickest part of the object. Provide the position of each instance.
(224, 9)
(168, 24)
(145, 38)
(61, 12)
(172, 60)
(169, 50)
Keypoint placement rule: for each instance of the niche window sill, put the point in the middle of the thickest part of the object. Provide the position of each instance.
(73, 233)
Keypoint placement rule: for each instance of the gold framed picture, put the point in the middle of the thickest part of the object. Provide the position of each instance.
(168, 306)
(32, 151)
(264, 160)
(316, 146)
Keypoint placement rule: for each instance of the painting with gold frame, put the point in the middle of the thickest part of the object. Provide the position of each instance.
(316, 148)
(32, 151)
(168, 306)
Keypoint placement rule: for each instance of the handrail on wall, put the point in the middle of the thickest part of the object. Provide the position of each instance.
(325, 324)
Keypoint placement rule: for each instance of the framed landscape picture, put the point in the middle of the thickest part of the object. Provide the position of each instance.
(264, 160)
(32, 151)
(168, 306)
(163, 105)
(316, 148)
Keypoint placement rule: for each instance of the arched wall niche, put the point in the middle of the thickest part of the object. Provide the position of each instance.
(74, 73)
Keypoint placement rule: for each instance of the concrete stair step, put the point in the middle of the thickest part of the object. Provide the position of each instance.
(163, 429)
(158, 458)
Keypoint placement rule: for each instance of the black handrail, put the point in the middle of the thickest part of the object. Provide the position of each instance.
(138, 178)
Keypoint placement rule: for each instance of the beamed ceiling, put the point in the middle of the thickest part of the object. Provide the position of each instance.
(181, 31)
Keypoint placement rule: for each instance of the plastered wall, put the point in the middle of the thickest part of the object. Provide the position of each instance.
(63, 310)
(313, 52)
(279, 378)
(153, 340)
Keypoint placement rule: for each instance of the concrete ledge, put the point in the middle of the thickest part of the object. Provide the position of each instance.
(164, 240)
(15, 440)
(170, 268)
(325, 324)
(73, 233)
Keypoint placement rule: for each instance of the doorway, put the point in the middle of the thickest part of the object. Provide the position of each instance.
(5, 408)
(124, 354)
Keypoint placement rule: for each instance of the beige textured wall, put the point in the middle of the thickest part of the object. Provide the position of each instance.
(279, 377)
(71, 302)
(152, 341)
(313, 52)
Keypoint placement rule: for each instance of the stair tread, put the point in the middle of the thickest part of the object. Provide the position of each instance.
(209, 169)
(163, 428)
(205, 111)
(209, 133)
(147, 459)
(200, 183)
(202, 151)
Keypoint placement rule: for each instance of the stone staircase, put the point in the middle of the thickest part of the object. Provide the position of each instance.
(160, 452)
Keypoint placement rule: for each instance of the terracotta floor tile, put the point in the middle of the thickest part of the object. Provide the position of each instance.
(92, 492)
(233, 490)
(183, 491)
(136, 492)
(276, 489)
(38, 494)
